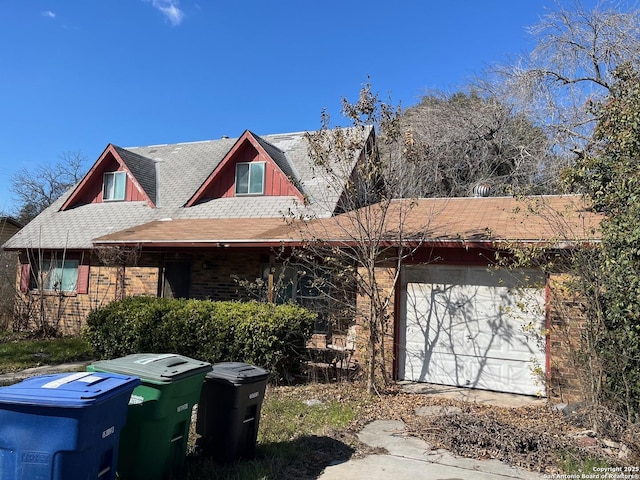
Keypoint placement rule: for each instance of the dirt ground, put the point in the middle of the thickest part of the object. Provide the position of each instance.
(538, 437)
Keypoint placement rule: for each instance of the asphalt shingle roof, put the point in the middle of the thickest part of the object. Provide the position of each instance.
(143, 169)
(170, 175)
(281, 159)
(537, 219)
(434, 221)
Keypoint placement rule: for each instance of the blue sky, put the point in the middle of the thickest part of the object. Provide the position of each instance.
(76, 75)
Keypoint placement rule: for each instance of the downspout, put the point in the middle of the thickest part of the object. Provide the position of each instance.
(397, 314)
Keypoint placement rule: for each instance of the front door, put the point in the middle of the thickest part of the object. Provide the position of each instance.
(177, 280)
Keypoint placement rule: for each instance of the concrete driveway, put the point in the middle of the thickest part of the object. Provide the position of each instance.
(409, 457)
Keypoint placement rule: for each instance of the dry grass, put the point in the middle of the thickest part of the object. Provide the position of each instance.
(299, 438)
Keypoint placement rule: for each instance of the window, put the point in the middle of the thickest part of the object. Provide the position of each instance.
(57, 275)
(250, 178)
(292, 284)
(114, 185)
(285, 282)
(313, 294)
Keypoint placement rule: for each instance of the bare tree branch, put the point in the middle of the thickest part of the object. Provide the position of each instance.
(37, 188)
(357, 254)
(570, 69)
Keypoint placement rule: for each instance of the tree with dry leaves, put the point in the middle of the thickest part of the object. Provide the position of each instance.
(462, 143)
(357, 253)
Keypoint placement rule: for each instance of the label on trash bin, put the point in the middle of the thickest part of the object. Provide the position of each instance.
(66, 379)
(35, 457)
(90, 379)
(136, 399)
(109, 431)
(144, 361)
(183, 407)
(254, 395)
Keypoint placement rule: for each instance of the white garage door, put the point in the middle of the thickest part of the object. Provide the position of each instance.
(471, 327)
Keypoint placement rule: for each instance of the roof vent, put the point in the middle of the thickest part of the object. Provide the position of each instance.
(481, 190)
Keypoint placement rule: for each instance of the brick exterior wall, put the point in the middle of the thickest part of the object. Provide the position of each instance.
(215, 275)
(141, 281)
(212, 277)
(385, 280)
(68, 311)
(566, 382)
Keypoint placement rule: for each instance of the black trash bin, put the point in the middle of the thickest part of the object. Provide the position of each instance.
(229, 411)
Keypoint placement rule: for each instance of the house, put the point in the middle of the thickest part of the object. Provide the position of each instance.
(9, 226)
(464, 317)
(465, 312)
(245, 185)
(212, 219)
(459, 316)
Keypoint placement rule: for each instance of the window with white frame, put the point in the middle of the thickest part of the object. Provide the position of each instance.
(250, 178)
(114, 186)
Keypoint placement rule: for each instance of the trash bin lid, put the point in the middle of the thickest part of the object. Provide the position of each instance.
(237, 373)
(154, 367)
(68, 390)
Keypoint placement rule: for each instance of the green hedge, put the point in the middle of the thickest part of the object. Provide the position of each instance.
(266, 335)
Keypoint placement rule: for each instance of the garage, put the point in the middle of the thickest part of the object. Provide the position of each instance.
(473, 327)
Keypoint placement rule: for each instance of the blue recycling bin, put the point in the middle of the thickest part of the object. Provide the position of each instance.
(63, 426)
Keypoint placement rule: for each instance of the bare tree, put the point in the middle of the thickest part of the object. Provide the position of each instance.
(464, 141)
(570, 68)
(358, 253)
(35, 189)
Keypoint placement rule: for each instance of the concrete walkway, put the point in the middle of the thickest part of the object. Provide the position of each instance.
(412, 458)
(470, 395)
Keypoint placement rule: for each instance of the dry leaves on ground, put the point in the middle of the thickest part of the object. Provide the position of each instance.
(530, 437)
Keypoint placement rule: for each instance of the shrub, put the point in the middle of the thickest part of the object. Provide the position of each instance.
(267, 335)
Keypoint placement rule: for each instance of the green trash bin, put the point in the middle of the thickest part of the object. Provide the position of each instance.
(153, 443)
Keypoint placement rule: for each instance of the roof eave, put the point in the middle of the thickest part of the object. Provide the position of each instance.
(442, 243)
(222, 243)
(503, 243)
